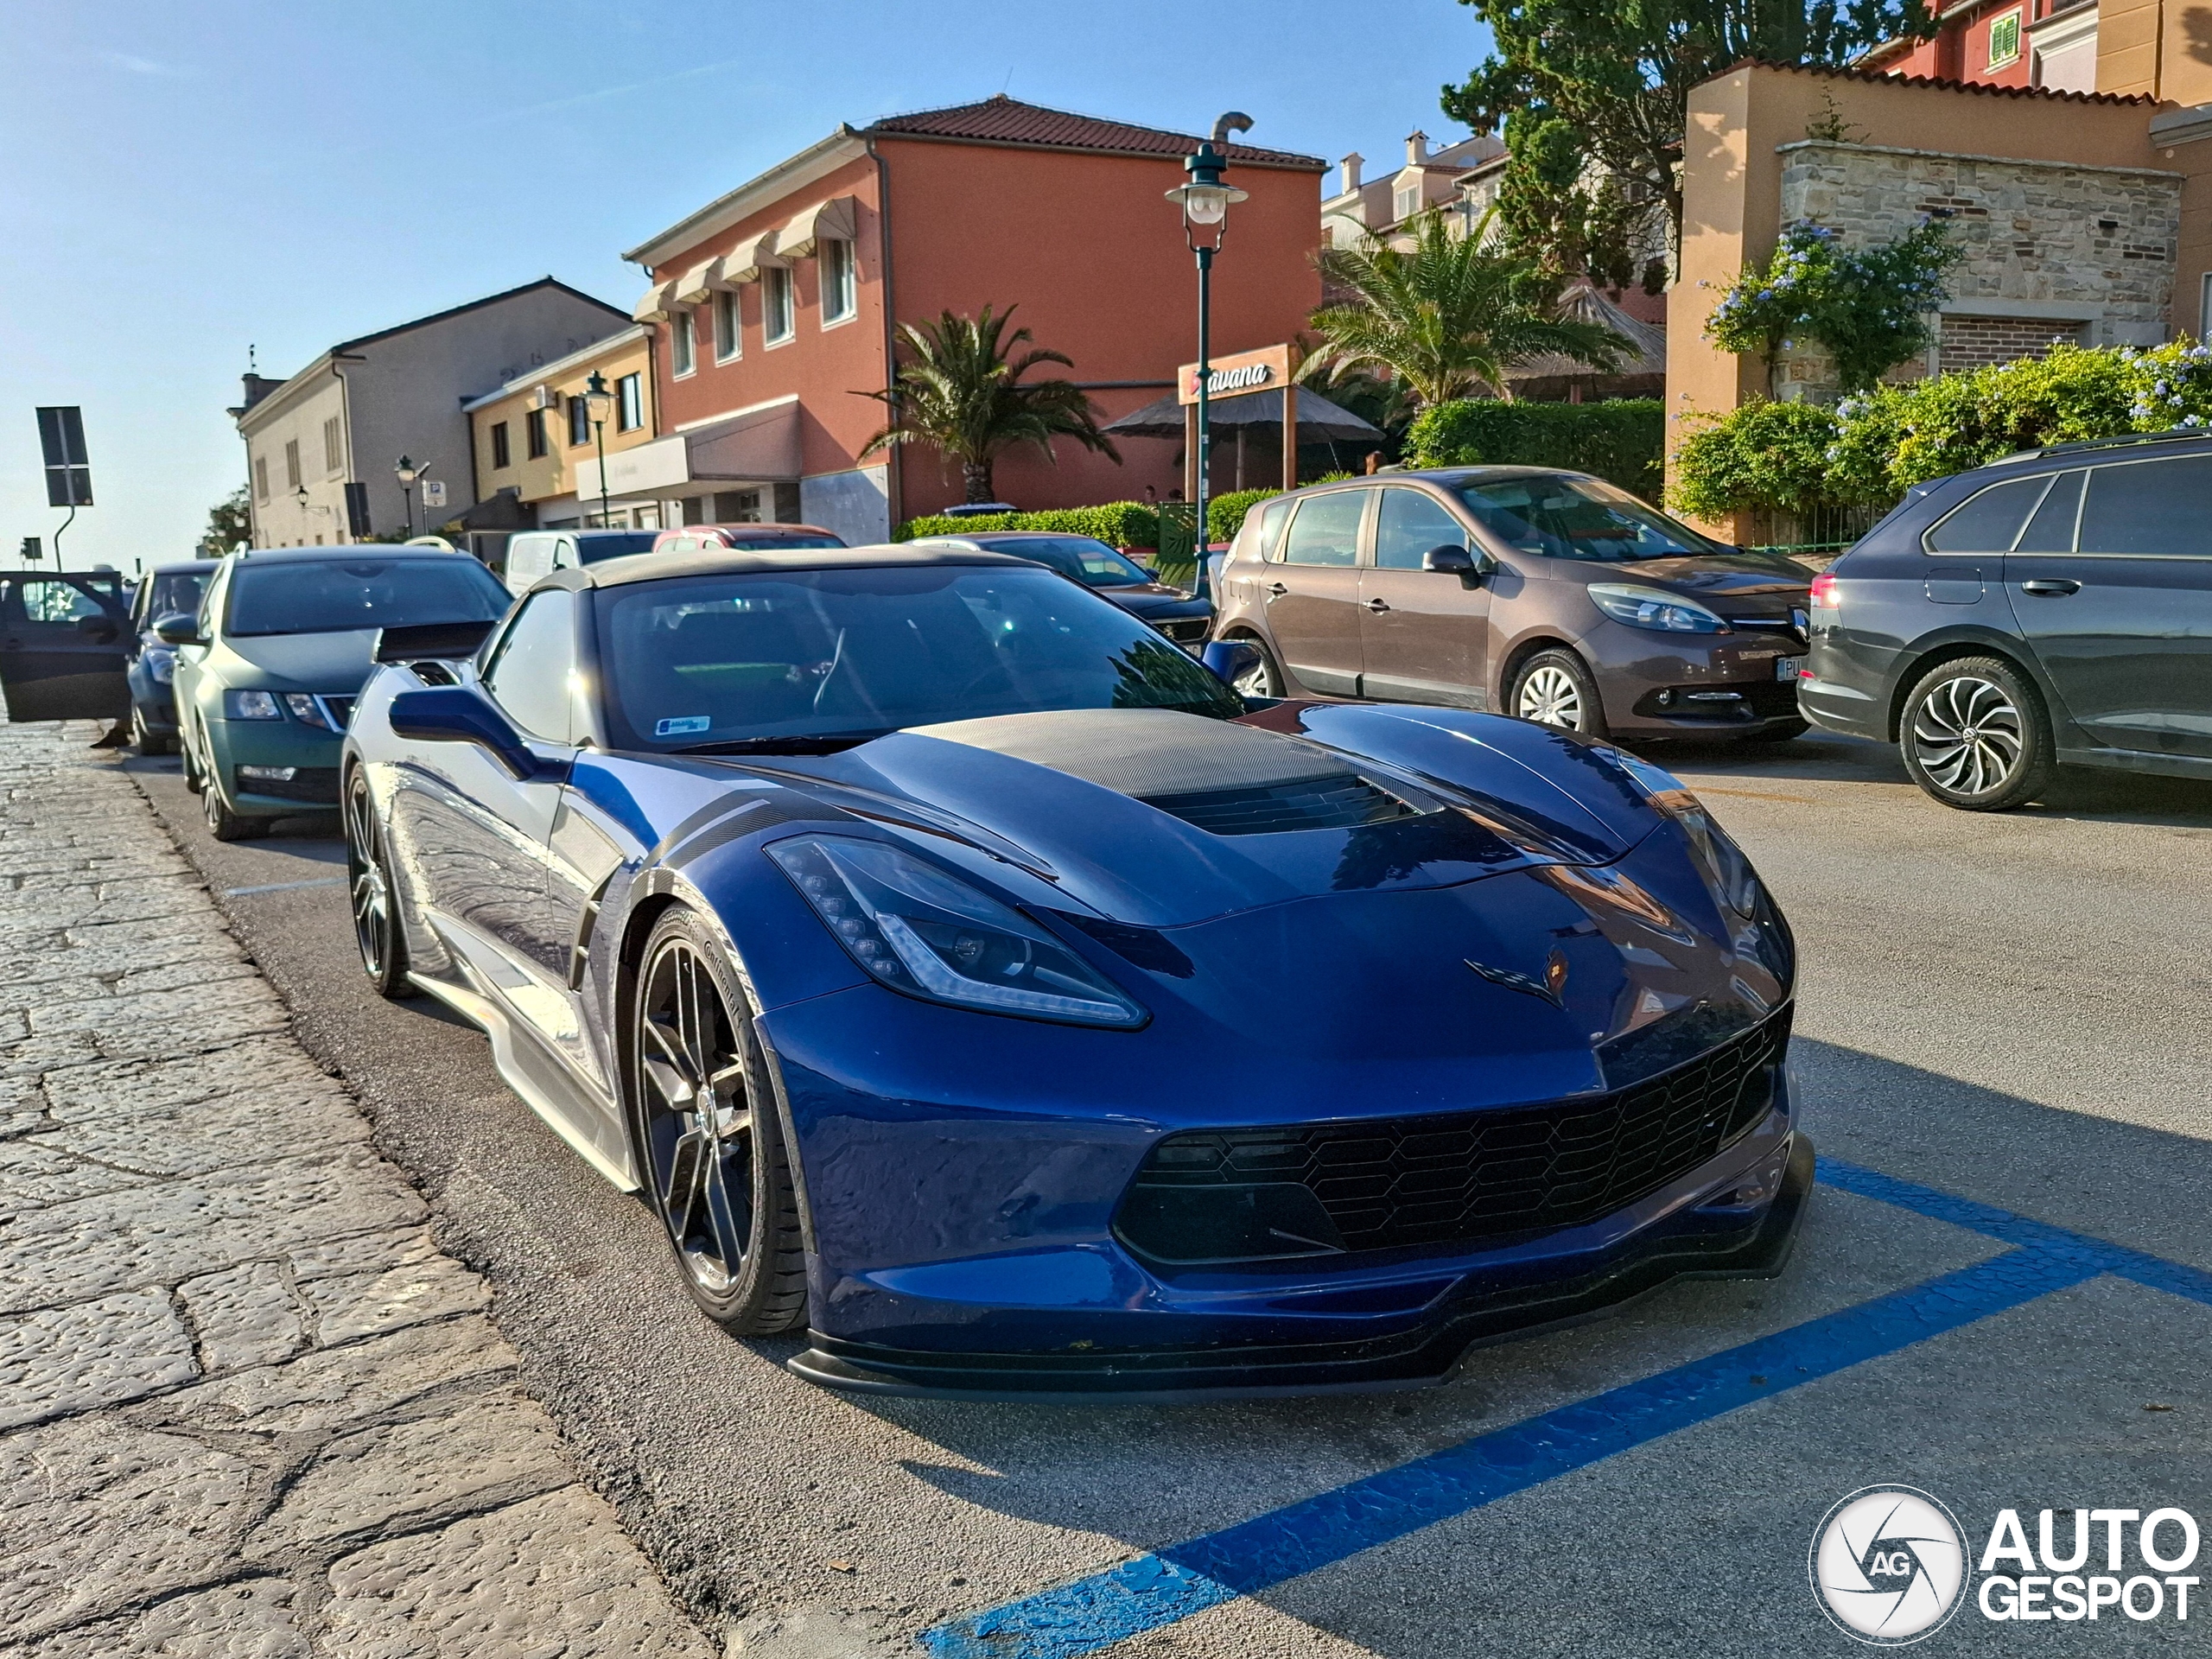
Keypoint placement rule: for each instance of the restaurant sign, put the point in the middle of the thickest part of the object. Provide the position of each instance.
(1232, 377)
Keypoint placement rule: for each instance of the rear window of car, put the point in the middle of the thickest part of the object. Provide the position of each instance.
(739, 539)
(1272, 516)
(615, 544)
(1327, 530)
(1989, 520)
(340, 595)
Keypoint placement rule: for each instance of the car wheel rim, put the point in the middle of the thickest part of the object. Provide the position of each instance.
(371, 894)
(698, 1115)
(1254, 682)
(1968, 735)
(1550, 696)
(211, 804)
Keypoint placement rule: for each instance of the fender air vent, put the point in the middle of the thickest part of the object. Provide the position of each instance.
(1336, 802)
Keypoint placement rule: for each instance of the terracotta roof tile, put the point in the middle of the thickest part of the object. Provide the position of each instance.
(1003, 120)
(1981, 86)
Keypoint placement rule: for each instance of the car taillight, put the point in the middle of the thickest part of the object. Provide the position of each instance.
(1824, 592)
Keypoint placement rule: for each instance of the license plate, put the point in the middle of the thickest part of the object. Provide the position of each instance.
(1788, 668)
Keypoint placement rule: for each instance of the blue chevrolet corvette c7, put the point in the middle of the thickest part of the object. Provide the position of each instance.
(973, 981)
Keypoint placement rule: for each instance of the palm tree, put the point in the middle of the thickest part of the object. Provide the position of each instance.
(959, 391)
(1450, 315)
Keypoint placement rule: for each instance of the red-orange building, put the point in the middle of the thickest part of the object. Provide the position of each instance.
(2047, 43)
(771, 307)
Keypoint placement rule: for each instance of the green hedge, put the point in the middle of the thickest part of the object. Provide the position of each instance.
(1118, 523)
(1620, 439)
(1225, 513)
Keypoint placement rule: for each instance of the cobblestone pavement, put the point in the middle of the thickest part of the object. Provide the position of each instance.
(247, 1406)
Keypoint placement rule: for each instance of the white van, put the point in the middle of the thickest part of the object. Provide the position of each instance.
(535, 553)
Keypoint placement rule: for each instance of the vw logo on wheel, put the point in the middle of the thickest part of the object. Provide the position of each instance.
(1888, 1564)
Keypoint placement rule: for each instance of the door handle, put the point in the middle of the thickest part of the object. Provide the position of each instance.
(2048, 586)
(1276, 590)
(1378, 605)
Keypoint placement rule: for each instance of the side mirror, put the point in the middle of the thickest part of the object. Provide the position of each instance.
(178, 628)
(1227, 660)
(1150, 570)
(1470, 566)
(101, 630)
(456, 715)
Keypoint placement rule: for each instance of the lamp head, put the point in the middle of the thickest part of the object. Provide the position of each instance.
(596, 395)
(406, 471)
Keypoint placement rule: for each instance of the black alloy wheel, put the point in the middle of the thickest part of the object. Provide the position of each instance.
(1976, 735)
(375, 901)
(222, 823)
(1263, 678)
(1555, 688)
(705, 1129)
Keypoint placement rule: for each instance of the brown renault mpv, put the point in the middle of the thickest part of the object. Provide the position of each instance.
(1548, 595)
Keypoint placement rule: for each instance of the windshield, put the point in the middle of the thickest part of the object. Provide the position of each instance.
(335, 596)
(176, 590)
(614, 544)
(707, 661)
(1092, 563)
(1579, 518)
(739, 538)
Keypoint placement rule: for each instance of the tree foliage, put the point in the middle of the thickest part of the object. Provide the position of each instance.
(1869, 308)
(1619, 71)
(229, 523)
(1569, 218)
(1451, 315)
(960, 390)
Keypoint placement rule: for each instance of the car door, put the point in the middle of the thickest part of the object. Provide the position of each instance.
(1311, 596)
(1423, 634)
(2121, 619)
(63, 643)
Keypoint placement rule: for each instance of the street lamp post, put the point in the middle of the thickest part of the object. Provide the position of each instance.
(1206, 202)
(407, 471)
(597, 400)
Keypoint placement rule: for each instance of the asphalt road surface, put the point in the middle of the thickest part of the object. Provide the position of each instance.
(2007, 1012)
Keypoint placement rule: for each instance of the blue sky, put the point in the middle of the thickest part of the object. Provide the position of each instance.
(187, 179)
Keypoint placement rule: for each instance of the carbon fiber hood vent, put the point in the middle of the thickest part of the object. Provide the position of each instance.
(1339, 801)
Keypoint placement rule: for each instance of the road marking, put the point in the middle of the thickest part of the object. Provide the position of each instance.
(1169, 1585)
(283, 887)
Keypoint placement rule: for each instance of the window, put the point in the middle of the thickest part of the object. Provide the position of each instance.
(2051, 531)
(2151, 508)
(1270, 528)
(1327, 530)
(1579, 518)
(629, 403)
(292, 463)
(840, 284)
(533, 431)
(682, 344)
(1990, 521)
(261, 478)
(1407, 202)
(729, 326)
(1409, 526)
(334, 452)
(500, 455)
(776, 323)
(579, 419)
(343, 594)
(2004, 39)
(534, 668)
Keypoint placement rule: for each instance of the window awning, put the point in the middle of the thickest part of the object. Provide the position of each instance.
(692, 288)
(653, 308)
(745, 262)
(832, 220)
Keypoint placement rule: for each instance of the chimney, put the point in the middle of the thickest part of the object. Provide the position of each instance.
(1352, 163)
(259, 386)
(1416, 148)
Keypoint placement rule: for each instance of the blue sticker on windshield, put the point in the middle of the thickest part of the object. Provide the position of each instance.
(682, 723)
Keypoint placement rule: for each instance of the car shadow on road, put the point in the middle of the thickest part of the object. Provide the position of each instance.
(1156, 1475)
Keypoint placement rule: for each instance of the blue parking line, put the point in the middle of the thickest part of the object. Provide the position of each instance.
(1161, 1588)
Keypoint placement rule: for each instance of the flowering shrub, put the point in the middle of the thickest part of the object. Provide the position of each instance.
(1868, 308)
(1870, 447)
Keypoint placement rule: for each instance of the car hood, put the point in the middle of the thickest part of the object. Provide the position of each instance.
(307, 662)
(1154, 599)
(1721, 577)
(1162, 819)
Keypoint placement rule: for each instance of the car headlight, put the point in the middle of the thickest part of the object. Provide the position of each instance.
(931, 935)
(1728, 872)
(1647, 607)
(251, 705)
(162, 666)
(306, 710)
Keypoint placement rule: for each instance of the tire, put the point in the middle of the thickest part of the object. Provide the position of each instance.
(194, 781)
(1976, 735)
(1555, 688)
(145, 741)
(374, 895)
(1263, 679)
(719, 1180)
(1781, 733)
(223, 824)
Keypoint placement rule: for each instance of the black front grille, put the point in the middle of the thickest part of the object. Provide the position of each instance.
(340, 710)
(316, 783)
(1446, 1179)
(1187, 631)
(1337, 802)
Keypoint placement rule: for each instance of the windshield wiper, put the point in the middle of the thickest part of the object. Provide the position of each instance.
(825, 743)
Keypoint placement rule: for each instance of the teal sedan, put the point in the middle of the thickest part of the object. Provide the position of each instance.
(267, 672)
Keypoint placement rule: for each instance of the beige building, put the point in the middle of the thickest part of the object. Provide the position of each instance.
(1428, 179)
(534, 438)
(347, 417)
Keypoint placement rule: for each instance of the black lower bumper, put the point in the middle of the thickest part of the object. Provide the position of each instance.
(1418, 1358)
